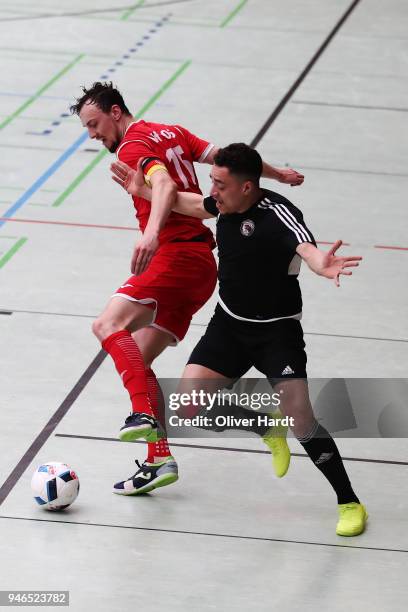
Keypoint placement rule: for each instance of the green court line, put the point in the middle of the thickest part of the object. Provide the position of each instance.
(104, 152)
(79, 178)
(12, 251)
(233, 13)
(125, 16)
(38, 93)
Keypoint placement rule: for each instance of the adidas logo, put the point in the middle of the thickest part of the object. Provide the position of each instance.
(287, 370)
(323, 458)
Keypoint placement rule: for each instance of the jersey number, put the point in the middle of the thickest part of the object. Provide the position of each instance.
(175, 155)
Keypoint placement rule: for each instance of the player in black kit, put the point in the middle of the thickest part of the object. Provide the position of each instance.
(262, 240)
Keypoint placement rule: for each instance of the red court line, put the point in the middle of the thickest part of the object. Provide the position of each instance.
(117, 227)
(133, 229)
(379, 246)
(322, 242)
(65, 223)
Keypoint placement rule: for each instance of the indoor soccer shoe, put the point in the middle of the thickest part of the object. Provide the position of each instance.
(137, 425)
(149, 476)
(156, 434)
(275, 439)
(353, 518)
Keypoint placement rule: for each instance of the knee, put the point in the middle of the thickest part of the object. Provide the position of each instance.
(302, 427)
(103, 327)
(302, 418)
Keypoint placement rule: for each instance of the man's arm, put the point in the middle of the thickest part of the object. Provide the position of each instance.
(162, 195)
(283, 175)
(164, 192)
(325, 263)
(191, 204)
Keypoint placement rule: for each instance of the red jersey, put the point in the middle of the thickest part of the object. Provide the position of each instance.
(177, 149)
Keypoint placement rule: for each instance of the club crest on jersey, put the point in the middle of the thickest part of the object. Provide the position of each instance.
(247, 227)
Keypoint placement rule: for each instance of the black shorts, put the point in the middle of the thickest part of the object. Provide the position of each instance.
(231, 347)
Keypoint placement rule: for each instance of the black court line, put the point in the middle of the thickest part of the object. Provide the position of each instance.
(348, 170)
(93, 316)
(46, 432)
(54, 314)
(302, 75)
(92, 368)
(356, 337)
(207, 533)
(226, 448)
(115, 9)
(358, 106)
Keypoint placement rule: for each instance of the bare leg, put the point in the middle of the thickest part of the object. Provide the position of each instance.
(295, 403)
(121, 314)
(199, 378)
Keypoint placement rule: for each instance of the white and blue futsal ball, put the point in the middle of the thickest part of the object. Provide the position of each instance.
(55, 486)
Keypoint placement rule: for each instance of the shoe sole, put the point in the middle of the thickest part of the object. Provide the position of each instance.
(161, 481)
(350, 535)
(134, 433)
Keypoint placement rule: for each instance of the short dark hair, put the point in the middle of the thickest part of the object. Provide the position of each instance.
(241, 160)
(104, 95)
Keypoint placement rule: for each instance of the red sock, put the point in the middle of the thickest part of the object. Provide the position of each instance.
(130, 366)
(156, 450)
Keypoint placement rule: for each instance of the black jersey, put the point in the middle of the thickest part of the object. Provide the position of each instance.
(258, 264)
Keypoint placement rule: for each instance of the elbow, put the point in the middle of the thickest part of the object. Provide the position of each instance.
(172, 190)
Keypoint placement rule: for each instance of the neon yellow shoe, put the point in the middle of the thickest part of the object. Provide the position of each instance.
(275, 440)
(353, 518)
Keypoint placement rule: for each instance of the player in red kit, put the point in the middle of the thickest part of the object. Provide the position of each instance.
(173, 269)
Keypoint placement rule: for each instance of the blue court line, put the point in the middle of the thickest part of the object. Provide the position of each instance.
(43, 178)
(107, 74)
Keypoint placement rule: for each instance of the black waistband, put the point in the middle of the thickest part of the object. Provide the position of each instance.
(201, 238)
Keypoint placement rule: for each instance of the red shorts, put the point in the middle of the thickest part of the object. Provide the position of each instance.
(179, 280)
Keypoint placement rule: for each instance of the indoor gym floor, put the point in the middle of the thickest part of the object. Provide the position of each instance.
(318, 85)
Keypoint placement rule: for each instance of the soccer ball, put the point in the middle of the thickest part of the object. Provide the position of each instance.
(54, 485)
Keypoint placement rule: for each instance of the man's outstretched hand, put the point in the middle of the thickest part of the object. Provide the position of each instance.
(326, 263)
(332, 266)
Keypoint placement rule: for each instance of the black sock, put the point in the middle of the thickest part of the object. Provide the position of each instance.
(227, 417)
(324, 453)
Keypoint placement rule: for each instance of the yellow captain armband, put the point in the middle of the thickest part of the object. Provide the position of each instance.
(152, 170)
